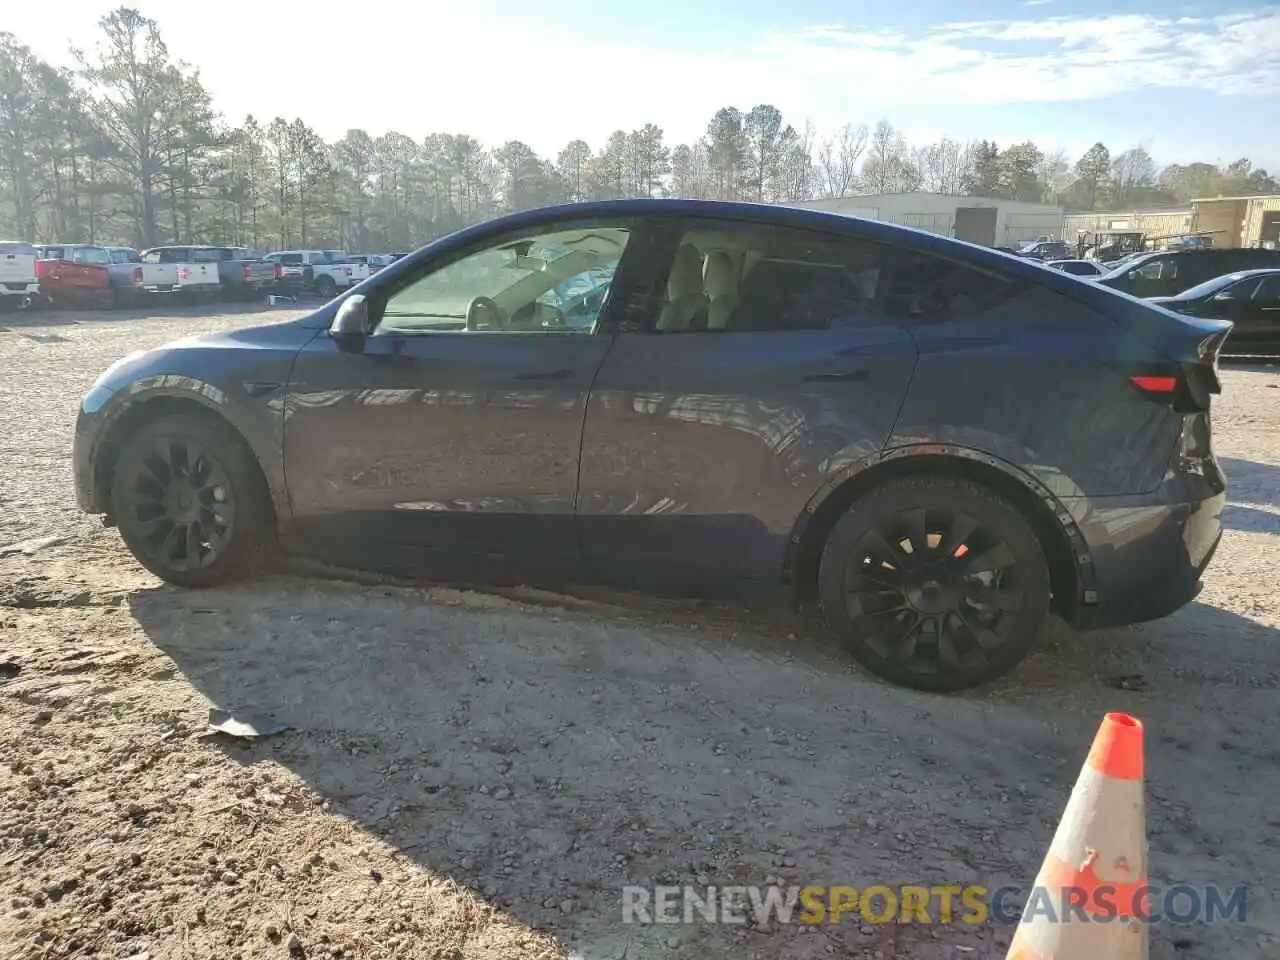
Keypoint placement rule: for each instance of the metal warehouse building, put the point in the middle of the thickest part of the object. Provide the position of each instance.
(1229, 222)
(1003, 223)
(1154, 222)
(1238, 221)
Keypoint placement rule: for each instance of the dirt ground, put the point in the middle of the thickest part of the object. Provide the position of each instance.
(471, 775)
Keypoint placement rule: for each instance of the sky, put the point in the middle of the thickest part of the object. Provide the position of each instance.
(1195, 80)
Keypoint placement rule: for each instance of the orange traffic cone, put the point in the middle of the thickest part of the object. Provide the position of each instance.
(1087, 900)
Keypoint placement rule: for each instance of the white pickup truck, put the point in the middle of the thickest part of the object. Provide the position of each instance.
(322, 272)
(18, 279)
(182, 271)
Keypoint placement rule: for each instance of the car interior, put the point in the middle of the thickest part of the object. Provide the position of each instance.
(720, 280)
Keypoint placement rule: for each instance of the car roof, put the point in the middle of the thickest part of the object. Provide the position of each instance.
(1255, 272)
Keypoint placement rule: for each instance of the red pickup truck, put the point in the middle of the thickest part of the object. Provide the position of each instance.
(74, 274)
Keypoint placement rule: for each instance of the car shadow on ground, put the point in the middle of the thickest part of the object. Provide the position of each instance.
(1261, 479)
(547, 758)
(1260, 513)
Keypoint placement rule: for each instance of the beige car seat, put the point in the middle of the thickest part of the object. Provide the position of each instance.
(720, 280)
(685, 297)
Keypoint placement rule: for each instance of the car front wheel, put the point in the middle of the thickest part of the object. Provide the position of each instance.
(189, 500)
(935, 583)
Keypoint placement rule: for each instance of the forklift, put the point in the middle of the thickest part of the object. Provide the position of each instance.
(1109, 246)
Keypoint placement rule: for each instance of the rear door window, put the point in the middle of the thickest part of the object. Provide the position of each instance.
(736, 277)
(925, 287)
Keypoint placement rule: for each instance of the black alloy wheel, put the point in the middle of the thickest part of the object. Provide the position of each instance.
(935, 583)
(189, 501)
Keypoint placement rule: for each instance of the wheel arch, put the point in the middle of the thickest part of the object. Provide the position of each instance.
(157, 404)
(1068, 556)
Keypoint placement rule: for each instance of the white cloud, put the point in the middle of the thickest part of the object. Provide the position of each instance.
(499, 74)
(1055, 58)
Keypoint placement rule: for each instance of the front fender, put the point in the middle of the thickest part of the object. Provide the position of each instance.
(105, 415)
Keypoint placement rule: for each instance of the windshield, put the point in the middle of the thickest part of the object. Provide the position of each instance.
(1210, 287)
(1127, 263)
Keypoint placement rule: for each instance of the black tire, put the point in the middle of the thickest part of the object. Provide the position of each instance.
(940, 623)
(233, 527)
(326, 287)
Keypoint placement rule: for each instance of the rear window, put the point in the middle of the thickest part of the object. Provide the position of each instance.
(124, 256)
(206, 255)
(293, 259)
(926, 287)
(17, 249)
(90, 255)
(166, 255)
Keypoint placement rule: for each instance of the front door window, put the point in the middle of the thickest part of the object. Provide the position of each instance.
(555, 282)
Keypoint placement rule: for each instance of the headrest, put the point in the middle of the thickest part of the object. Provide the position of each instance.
(720, 277)
(686, 273)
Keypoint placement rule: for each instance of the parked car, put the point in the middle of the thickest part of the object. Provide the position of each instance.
(244, 274)
(374, 261)
(1166, 273)
(1249, 299)
(185, 271)
(1088, 269)
(19, 281)
(398, 256)
(940, 443)
(75, 275)
(126, 275)
(1045, 250)
(317, 271)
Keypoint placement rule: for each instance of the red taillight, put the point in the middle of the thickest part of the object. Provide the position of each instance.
(1155, 384)
(347, 271)
(248, 272)
(137, 274)
(279, 271)
(183, 273)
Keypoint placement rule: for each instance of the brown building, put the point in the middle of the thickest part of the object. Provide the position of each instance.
(1238, 221)
(1229, 222)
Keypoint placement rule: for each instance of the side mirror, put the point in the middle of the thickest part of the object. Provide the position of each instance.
(351, 322)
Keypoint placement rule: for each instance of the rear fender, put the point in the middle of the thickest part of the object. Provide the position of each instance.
(844, 487)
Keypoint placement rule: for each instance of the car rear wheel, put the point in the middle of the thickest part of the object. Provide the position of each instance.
(935, 583)
(326, 287)
(189, 501)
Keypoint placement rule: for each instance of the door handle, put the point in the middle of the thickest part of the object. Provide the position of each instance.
(849, 376)
(549, 375)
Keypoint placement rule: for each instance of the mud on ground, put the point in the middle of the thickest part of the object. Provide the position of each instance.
(478, 776)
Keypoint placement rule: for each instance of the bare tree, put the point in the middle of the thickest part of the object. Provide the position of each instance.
(1054, 173)
(1133, 174)
(838, 160)
(944, 165)
(888, 167)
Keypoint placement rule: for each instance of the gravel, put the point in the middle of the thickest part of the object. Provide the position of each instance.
(475, 775)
